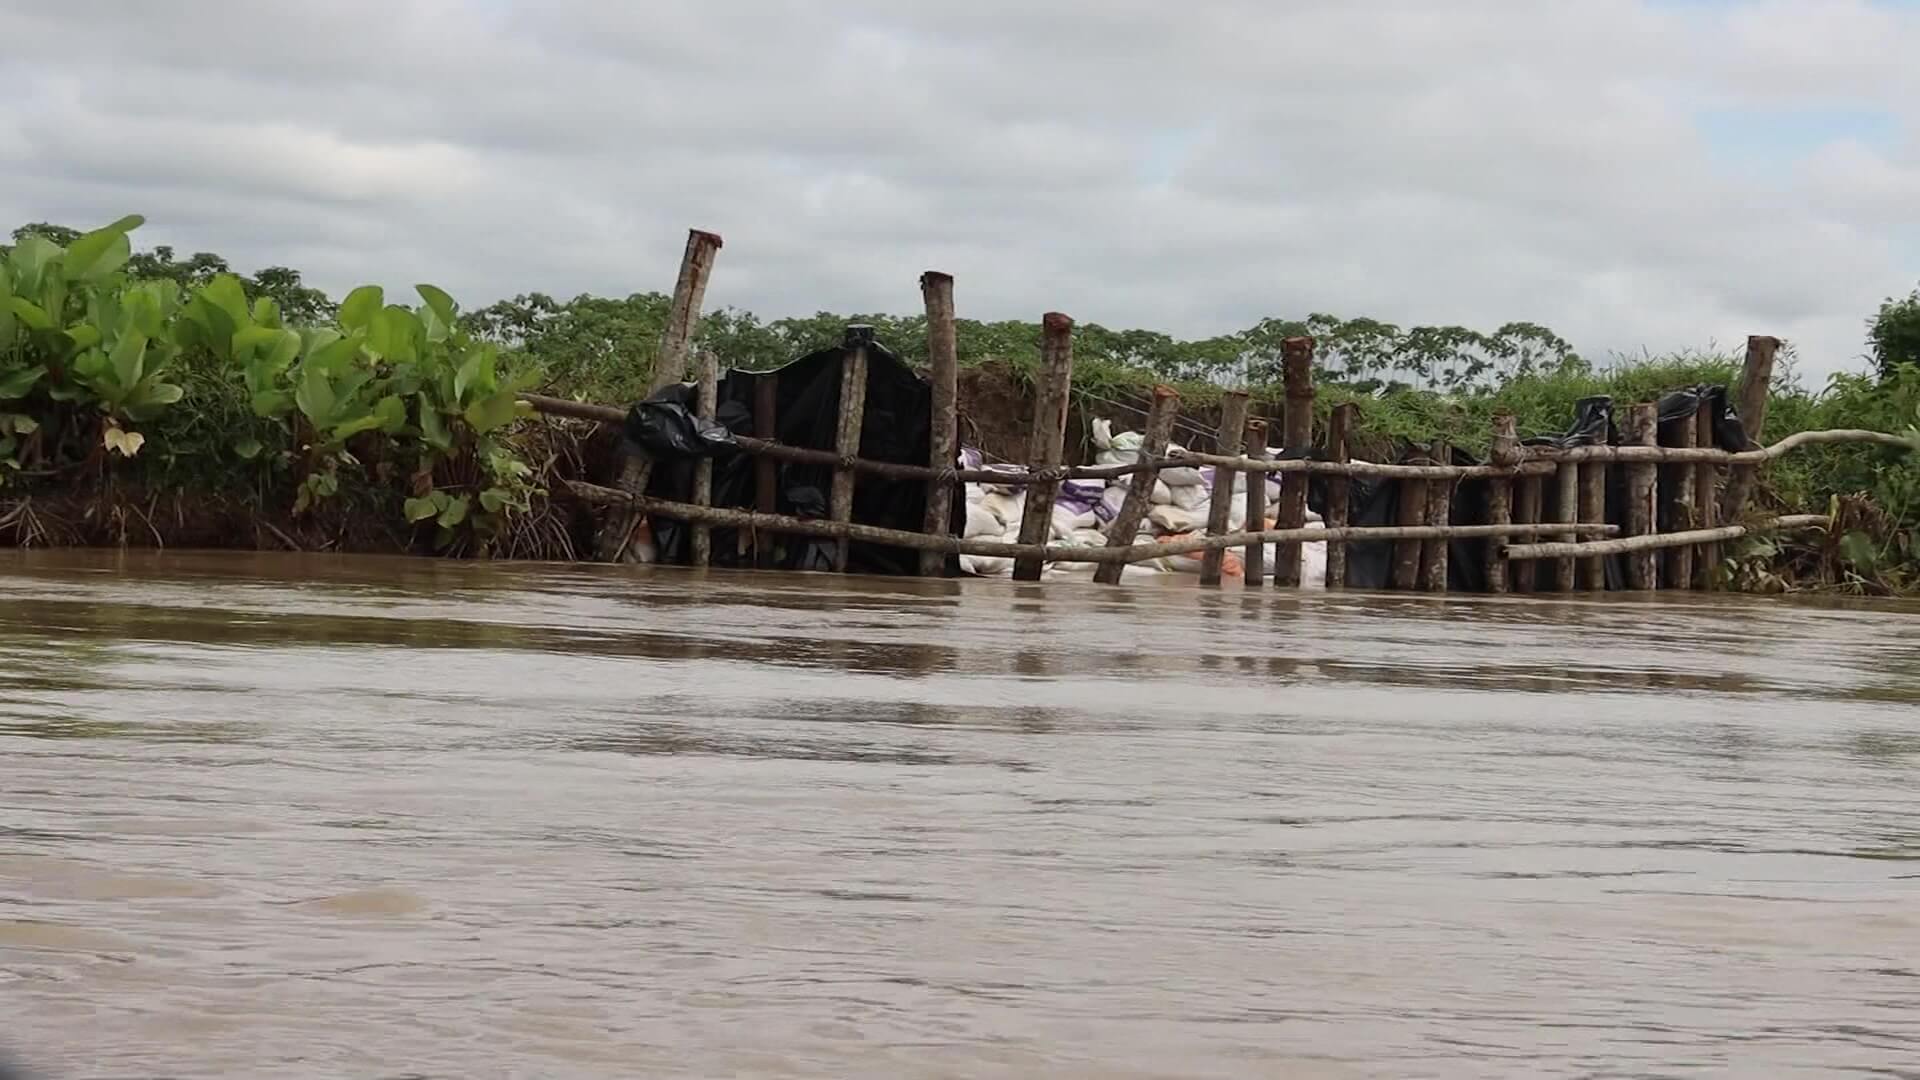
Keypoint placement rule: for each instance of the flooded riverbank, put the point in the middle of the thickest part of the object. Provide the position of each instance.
(301, 816)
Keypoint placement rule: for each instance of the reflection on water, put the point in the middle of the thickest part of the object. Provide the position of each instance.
(299, 816)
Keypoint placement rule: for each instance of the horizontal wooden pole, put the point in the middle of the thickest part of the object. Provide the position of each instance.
(1536, 461)
(780, 523)
(1657, 541)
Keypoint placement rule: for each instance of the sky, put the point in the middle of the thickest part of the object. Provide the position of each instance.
(1636, 174)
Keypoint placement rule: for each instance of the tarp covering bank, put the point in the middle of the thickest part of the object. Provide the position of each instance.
(897, 428)
(1376, 501)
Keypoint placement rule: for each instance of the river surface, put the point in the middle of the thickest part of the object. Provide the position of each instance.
(281, 816)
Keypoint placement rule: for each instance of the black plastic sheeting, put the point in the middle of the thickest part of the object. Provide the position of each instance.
(897, 428)
(1377, 502)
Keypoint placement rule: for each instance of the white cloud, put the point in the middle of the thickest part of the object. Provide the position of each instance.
(1185, 167)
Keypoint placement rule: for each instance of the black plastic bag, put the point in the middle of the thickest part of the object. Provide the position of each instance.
(665, 426)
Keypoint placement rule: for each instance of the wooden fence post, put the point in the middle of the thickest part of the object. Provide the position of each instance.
(1296, 368)
(707, 366)
(1593, 509)
(669, 367)
(846, 439)
(943, 365)
(1255, 556)
(1642, 429)
(1049, 435)
(1566, 511)
(1339, 489)
(1706, 500)
(1433, 553)
(1406, 553)
(1231, 439)
(1755, 380)
(1676, 489)
(1126, 524)
(1526, 511)
(1506, 451)
(766, 470)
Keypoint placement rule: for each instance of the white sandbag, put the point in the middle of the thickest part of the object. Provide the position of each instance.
(980, 522)
(1102, 431)
(1006, 507)
(1193, 497)
(1183, 476)
(1087, 538)
(1162, 494)
(1065, 521)
(985, 565)
(1172, 519)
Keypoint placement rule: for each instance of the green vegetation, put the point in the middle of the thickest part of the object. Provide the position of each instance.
(127, 374)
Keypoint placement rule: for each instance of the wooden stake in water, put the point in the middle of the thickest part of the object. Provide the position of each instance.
(1255, 556)
(846, 439)
(705, 405)
(766, 470)
(1506, 451)
(1340, 427)
(1049, 437)
(1566, 511)
(1676, 487)
(1433, 553)
(943, 365)
(1126, 524)
(1528, 497)
(1231, 437)
(1593, 509)
(1706, 500)
(1755, 380)
(1296, 370)
(1642, 429)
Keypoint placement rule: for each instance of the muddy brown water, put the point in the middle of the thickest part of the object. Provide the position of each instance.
(268, 816)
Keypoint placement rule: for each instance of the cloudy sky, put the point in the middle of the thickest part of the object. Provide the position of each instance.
(1631, 173)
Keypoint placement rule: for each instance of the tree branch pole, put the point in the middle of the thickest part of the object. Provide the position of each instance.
(708, 367)
(943, 442)
(1756, 380)
(1340, 425)
(1296, 371)
(747, 519)
(846, 438)
(1639, 545)
(1255, 557)
(669, 366)
(1526, 510)
(1434, 552)
(1231, 439)
(1593, 508)
(1566, 510)
(1706, 501)
(1643, 506)
(1506, 448)
(1126, 524)
(1676, 488)
(1412, 514)
(1049, 436)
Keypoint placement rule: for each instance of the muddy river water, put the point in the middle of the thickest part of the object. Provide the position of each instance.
(267, 816)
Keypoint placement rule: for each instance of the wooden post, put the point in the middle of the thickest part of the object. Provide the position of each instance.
(1676, 487)
(766, 471)
(1593, 509)
(1566, 511)
(846, 438)
(1526, 511)
(1049, 434)
(1406, 553)
(1642, 429)
(1433, 553)
(669, 367)
(1296, 368)
(1755, 380)
(1126, 524)
(1339, 489)
(708, 367)
(1706, 501)
(1232, 437)
(1506, 451)
(943, 365)
(1255, 556)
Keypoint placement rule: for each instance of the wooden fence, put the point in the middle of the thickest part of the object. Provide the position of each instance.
(1547, 506)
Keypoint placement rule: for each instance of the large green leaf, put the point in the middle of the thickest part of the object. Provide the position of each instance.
(29, 262)
(432, 427)
(31, 314)
(475, 373)
(101, 251)
(456, 511)
(394, 334)
(439, 301)
(18, 384)
(495, 411)
(391, 412)
(227, 293)
(313, 392)
(129, 360)
(422, 508)
(360, 306)
(266, 312)
(270, 403)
